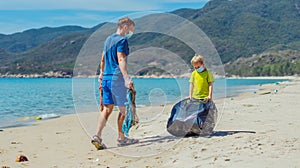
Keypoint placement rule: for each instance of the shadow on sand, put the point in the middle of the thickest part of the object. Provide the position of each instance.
(220, 134)
(163, 139)
(148, 141)
(226, 133)
(170, 138)
(157, 139)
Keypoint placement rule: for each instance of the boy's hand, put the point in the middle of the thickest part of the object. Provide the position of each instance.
(209, 97)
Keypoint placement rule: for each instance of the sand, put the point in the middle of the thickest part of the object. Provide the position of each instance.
(255, 130)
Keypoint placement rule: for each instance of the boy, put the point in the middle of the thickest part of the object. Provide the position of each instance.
(201, 81)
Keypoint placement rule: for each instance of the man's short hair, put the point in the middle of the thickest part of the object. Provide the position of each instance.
(125, 21)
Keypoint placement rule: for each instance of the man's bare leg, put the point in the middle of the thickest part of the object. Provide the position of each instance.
(120, 120)
(122, 140)
(103, 117)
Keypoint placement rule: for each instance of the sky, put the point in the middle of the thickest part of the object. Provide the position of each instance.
(21, 15)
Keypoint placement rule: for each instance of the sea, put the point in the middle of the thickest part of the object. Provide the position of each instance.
(25, 99)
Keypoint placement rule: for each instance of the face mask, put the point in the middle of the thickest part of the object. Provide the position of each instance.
(200, 69)
(128, 35)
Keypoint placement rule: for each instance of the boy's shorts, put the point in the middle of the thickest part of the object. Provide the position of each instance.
(114, 92)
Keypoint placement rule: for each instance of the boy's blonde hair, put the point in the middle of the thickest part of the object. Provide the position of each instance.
(125, 21)
(197, 59)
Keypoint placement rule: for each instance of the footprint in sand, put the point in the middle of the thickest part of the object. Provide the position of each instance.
(203, 149)
(128, 161)
(248, 105)
(59, 132)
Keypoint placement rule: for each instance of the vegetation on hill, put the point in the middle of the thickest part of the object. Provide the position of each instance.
(20, 42)
(269, 63)
(241, 28)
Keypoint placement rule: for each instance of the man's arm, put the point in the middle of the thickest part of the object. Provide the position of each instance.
(122, 63)
(123, 68)
(102, 63)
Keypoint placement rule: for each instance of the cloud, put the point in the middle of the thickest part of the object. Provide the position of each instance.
(79, 17)
(184, 1)
(19, 15)
(17, 26)
(19, 20)
(105, 5)
(84, 18)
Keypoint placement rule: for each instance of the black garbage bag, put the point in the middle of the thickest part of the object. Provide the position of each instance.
(190, 118)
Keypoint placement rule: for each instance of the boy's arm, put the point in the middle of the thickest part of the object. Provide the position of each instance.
(210, 90)
(191, 90)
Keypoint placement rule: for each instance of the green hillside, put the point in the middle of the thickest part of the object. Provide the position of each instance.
(269, 63)
(20, 42)
(56, 55)
(241, 28)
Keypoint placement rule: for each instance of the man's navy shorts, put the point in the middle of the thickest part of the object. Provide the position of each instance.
(114, 92)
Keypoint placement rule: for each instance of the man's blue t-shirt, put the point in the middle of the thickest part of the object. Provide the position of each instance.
(113, 44)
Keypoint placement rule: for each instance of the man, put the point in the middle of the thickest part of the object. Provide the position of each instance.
(115, 80)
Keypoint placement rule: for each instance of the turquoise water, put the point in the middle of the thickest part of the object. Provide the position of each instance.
(21, 98)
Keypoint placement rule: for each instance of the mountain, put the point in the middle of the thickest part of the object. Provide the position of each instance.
(20, 42)
(240, 28)
(56, 50)
(242, 31)
(58, 54)
(5, 56)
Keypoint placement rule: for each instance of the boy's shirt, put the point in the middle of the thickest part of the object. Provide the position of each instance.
(200, 81)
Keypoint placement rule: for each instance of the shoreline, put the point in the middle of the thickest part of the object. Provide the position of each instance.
(61, 74)
(253, 132)
(266, 77)
(261, 89)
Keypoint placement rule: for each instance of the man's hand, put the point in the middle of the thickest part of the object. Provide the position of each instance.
(100, 77)
(128, 82)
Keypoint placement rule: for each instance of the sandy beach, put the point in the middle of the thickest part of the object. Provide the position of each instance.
(255, 130)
